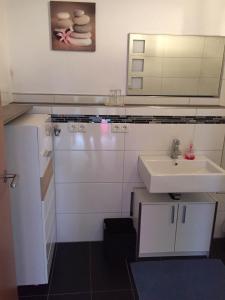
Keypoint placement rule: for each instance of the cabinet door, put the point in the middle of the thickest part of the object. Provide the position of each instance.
(194, 227)
(157, 228)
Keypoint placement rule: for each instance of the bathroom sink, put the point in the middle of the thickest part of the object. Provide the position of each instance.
(161, 174)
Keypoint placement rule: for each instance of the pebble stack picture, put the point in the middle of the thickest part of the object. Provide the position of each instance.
(73, 26)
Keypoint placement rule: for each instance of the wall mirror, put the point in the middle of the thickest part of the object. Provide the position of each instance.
(173, 65)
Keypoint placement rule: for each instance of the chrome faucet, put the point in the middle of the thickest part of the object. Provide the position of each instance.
(175, 151)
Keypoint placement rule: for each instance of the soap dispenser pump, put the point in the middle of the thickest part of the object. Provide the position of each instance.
(189, 154)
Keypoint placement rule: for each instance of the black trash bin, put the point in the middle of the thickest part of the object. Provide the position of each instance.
(119, 239)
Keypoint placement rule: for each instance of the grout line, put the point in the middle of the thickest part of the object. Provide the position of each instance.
(131, 285)
(90, 269)
(70, 293)
(52, 270)
(114, 291)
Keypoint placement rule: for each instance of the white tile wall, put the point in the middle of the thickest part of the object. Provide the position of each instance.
(95, 137)
(88, 166)
(82, 227)
(210, 112)
(88, 197)
(209, 136)
(204, 101)
(157, 136)
(213, 155)
(39, 98)
(88, 110)
(128, 188)
(219, 231)
(220, 218)
(157, 111)
(96, 171)
(39, 109)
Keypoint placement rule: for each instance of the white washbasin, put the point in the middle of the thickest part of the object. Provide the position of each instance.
(161, 174)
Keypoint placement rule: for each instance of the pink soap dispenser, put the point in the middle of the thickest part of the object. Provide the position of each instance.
(189, 154)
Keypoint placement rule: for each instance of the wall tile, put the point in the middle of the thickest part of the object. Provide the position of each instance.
(222, 92)
(88, 197)
(221, 201)
(204, 101)
(41, 109)
(154, 100)
(128, 188)
(48, 98)
(220, 218)
(88, 166)
(159, 111)
(95, 137)
(85, 99)
(81, 227)
(210, 112)
(88, 110)
(157, 136)
(213, 155)
(209, 136)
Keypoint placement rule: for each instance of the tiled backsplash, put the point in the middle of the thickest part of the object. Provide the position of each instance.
(138, 119)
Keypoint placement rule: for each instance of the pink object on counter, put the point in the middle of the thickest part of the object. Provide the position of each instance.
(189, 154)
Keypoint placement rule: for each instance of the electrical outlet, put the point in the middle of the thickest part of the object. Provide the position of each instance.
(72, 127)
(116, 128)
(82, 127)
(124, 128)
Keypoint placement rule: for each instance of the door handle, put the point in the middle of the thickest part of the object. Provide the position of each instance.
(13, 177)
(47, 153)
(184, 214)
(173, 214)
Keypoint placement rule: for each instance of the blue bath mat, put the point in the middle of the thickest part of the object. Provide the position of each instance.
(194, 279)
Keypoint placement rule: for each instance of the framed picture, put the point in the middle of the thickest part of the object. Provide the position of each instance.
(73, 26)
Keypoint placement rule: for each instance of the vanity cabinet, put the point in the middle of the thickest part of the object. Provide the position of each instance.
(168, 227)
(29, 150)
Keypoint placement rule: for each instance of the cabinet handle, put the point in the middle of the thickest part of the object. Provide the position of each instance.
(184, 214)
(173, 214)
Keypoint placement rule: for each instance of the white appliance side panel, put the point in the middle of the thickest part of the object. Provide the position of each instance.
(22, 159)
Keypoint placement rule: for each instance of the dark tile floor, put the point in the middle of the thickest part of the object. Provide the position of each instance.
(80, 272)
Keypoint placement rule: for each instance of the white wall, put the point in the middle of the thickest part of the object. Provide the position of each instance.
(5, 80)
(37, 69)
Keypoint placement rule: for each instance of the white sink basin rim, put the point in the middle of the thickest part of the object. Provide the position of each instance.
(161, 174)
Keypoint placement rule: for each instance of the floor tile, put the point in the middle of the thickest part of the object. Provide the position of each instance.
(107, 276)
(34, 298)
(70, 297)
(122, 295)
(33, 290)
(71, 270)
(218, 249)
